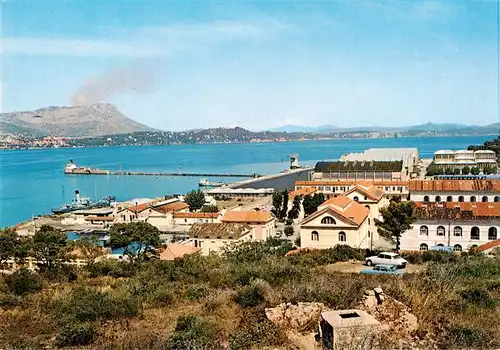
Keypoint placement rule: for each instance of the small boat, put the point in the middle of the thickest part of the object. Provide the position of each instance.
(206, 183)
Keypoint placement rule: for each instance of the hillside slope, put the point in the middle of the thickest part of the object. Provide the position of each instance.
(77, 121)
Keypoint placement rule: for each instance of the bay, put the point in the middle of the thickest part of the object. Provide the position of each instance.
(32, 181)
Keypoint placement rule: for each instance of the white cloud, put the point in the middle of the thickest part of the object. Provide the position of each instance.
(149, 41)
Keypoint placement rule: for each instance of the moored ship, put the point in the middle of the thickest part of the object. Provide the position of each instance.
(79, 203)
(206, 183)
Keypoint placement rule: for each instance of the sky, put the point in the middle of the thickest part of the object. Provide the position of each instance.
(177, 65)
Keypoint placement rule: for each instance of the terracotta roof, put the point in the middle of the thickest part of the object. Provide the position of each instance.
(225, 230)
(353, 166)
(372, 192)
(172, 207)
(455, 185)
(339, 201)
(174, 250)
(353, 182)
(301, 192)
(458, 210)
(343, 207)
(188, 215)
(489, 245)
(99, 218)
(246, 216)
(140, 207)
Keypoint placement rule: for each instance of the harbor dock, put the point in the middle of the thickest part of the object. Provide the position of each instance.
(89, 171)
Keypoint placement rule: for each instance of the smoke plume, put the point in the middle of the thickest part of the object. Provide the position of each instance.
(138, 77)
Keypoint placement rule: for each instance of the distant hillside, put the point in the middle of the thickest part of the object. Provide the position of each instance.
(78, 121)
(428, 127)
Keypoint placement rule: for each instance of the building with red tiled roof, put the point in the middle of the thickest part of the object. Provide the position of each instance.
(305, 191)
(460, 225)
(191, 218)
(212, 237)
(173, 250)
(339, 220)
(480, 190)
(263, 222)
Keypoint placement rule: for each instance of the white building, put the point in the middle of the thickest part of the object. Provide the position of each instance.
(455, 190)
(458, 225)
(462, 158)
(213, 236)
(339, 220)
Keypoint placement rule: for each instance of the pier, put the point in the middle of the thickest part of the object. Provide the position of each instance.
(88, 171)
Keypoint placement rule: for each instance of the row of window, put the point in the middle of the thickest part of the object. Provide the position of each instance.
(315, 236)
(456, 247)
(461, 199)
(475, 232)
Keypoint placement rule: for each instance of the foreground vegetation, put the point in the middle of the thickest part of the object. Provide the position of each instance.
(218, 301)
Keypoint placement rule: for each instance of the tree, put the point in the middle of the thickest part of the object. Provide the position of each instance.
(288, 230)
(465, 170)
(277, 203)
(487, 170)
(9, 244)
(397, 218)
(89, 248)
(49, 247)
(284, 209)
(456, 171)
(295, 210)
(475, 171)
(195, 200)
(318, 199)
(209, 209)
(137, 238)
(308, 205)
(448, 171)
(297, 241)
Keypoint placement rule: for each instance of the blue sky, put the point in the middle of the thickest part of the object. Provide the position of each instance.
(181, 65)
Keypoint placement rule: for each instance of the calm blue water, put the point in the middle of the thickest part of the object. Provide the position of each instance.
(33, 182)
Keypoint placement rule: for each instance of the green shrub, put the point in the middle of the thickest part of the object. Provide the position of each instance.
(259, 334)
(85, 304)
(77, 334)
(249, 296)
(111, 268)
(9, 301)
(193, 332)
(439, 256)
(413, 257)
(163, 296)
(467, 336)
(24, 281)
(479, 297)
(197, 291)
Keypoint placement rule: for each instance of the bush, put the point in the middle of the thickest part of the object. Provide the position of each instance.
(249, 296)
(9, 301)
(77, 334)
(257, 333)
(197, 292)
(86, 304)
(467, 336)
(192, 332)
(111, 268)
(297, 241)
(24, 281)
(479, 297)
(288, 230)
(163, 296)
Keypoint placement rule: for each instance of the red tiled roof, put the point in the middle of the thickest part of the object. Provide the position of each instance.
(478, 209)
(188, 215)
(246, 216)
(173, 250)
(301, 192)
(488, 245)
(353, 182)
(372, 192)
(347, 209)
(489, 185)
(172, 207)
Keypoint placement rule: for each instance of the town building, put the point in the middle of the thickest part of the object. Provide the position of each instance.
(191, 218)
(96, 216)
(262, 222)
(175, 250)
(446, 159)
(214, 236)
(478, 190)
(408, 156)
(460, 225)
(359, 171)
(157, 213)
(339, 220)
(391, 189)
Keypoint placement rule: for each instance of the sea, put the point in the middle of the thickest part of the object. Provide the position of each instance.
(32, 182)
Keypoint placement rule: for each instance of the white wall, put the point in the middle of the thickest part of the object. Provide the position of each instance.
(419, 196)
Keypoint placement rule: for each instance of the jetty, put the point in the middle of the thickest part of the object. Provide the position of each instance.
(90, 171)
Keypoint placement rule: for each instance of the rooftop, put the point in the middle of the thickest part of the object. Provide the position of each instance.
(343, 207)
(188, 215)
(350, 183)
(174, 250)
(172, 207)
(372, 192)
(225, 230)
(488, 185)
(302, 192)
(345, 166)
(95, 211)
(246, 216)
(349, 318)
(460, 211)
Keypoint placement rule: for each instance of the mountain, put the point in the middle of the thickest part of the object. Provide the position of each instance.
(77, 121)
(428, 127)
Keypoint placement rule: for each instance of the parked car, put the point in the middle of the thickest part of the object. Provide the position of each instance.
(387, 259)
(382, 269)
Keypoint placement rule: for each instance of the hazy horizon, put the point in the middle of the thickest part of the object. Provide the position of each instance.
(179, 66)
